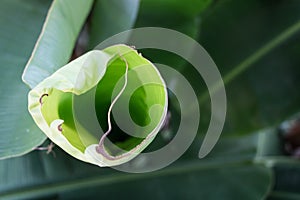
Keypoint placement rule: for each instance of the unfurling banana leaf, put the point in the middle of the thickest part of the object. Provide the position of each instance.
(104, 108)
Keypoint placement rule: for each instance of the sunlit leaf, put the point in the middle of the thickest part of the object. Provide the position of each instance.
(142, 92)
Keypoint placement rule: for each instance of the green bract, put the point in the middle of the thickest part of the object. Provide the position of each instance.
(74, 103)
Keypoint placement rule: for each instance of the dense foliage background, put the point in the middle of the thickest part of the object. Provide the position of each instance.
(255, 44)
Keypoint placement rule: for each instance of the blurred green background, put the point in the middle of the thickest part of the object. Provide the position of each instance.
(254, 43)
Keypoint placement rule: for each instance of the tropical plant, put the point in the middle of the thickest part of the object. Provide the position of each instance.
(254, 43)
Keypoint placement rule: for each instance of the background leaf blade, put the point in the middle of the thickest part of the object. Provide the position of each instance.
(18, 134)
(111, 17)
(62, 175)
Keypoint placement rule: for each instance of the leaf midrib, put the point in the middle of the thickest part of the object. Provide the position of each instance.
(254, 58)
(67, 185)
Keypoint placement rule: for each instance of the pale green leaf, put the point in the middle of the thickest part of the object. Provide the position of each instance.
(53, 104)
(57, 39)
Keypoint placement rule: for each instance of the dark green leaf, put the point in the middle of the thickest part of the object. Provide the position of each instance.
(21, 22)
(187, 8)
(65, 178)
(110, 17)
(255, 44)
